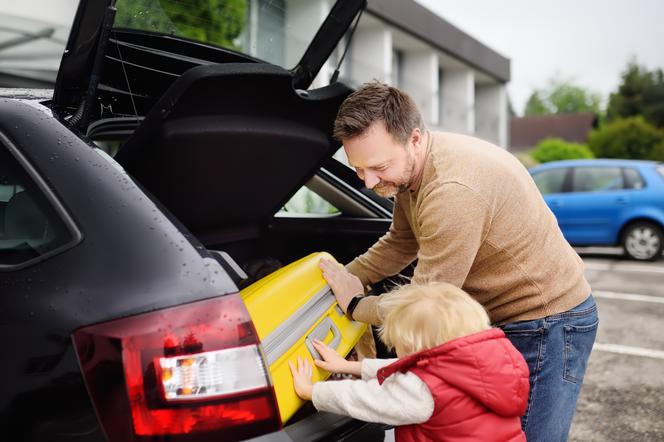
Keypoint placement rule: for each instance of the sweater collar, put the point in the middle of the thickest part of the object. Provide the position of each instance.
(425, 164)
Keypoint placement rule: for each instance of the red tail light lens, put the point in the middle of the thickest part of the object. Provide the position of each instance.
(182, 372)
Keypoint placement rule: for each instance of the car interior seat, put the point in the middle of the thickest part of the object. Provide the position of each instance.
(23, 219)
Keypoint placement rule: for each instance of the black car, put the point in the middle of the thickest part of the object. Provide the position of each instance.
(138, 198)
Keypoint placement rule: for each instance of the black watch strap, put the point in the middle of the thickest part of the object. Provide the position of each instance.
(351, 306)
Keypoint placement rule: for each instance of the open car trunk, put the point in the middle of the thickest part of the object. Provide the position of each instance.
(223, 150)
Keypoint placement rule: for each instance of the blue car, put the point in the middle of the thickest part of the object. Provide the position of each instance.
(607, 203)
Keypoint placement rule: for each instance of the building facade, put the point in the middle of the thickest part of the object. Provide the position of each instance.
(458, 82)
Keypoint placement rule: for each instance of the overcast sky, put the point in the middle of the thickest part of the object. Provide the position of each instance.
(586, 41)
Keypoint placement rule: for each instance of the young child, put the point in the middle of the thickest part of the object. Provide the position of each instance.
(456, 378)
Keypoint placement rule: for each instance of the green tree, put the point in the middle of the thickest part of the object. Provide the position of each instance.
(640, 93)
(555, 149)
(218, 22)
(630, 138)
(535, 106)
(657, 152)
(562, 97)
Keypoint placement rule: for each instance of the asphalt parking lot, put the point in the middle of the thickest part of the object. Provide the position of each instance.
(623, 393)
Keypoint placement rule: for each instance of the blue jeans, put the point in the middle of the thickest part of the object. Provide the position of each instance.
(556, 349)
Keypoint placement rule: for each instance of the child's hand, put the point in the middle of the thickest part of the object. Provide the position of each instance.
(302, 378)
(332, 361)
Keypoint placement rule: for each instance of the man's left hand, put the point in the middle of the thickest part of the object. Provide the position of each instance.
(344, 284)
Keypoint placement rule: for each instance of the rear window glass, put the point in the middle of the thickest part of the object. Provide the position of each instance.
(633, 179)
(306, 201)
(660, 171)
(597, 179)
(29, 226)
(551, 180)
(277, 31)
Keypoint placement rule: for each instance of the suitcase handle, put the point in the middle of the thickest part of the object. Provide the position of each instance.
(319, 333)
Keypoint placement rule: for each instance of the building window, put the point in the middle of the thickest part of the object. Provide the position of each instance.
(396, 76)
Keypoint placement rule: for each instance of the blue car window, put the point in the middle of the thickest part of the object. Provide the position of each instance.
(29, 226)
(597, 179)
(660, 171)
(550, 180)
(633, 179)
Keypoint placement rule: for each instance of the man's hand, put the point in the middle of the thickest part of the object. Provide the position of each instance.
(302, 378)
(333, 362)
(344, 284)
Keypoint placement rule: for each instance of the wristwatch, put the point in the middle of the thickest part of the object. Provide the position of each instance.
(351, 306)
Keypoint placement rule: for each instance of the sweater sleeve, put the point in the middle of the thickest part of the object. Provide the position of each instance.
(402, 399)
(390, 254)
(370, 366)
(453, 222)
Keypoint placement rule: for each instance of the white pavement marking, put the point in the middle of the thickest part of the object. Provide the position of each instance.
(624, 267)
(631, 351)
(628, 296)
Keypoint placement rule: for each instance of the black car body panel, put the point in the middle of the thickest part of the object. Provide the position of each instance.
(110, 273)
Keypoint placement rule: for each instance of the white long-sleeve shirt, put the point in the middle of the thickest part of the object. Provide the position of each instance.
(402, 399)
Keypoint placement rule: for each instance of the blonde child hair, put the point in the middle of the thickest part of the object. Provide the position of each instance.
(419, 317)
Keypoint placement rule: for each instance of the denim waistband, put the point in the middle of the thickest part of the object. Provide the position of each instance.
(582, 309)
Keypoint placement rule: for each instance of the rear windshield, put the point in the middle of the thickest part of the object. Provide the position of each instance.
(277, 31)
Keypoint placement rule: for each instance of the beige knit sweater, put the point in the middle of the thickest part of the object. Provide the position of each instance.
(478, 221)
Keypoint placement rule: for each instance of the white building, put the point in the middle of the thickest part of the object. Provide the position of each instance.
(458, 83)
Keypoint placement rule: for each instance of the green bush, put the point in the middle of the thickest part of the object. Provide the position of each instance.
(629, 138)
(554, 149)
(657, 152)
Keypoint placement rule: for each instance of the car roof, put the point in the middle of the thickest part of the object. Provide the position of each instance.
(593, 162)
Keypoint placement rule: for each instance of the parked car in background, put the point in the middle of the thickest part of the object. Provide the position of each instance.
(607, 202)
(133, 196)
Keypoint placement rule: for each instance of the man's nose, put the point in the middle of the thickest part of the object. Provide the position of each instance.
(370, 180)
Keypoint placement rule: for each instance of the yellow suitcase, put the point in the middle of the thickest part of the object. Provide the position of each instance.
(290, 307)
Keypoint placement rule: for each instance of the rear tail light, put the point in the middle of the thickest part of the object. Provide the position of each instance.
(211, 374)
(181, 373)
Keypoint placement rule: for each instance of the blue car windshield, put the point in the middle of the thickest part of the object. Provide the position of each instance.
(277, 31)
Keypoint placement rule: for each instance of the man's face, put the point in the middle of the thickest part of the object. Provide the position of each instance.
(385, 165)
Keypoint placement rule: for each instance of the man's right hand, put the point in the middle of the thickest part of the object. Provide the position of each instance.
(344, 284)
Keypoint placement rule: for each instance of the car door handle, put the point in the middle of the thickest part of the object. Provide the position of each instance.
(555, 203)
(319, 333)
(622, 200)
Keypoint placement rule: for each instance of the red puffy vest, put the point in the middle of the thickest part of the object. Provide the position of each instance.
(479, 385)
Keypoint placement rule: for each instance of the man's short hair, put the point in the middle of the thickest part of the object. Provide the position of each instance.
(376, 101)
(418, 317)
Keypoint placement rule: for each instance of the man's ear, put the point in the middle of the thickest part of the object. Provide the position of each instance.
(416, 137)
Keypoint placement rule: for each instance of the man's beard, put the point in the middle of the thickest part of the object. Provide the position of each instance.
(388, 189)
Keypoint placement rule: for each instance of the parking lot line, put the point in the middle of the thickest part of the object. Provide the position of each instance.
(628, 296)
(624, 267)
(627, 350)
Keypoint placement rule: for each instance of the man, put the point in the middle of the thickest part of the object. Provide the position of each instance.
(470, 214)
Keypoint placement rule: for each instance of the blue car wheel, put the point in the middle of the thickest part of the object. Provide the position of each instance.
(643, 241)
